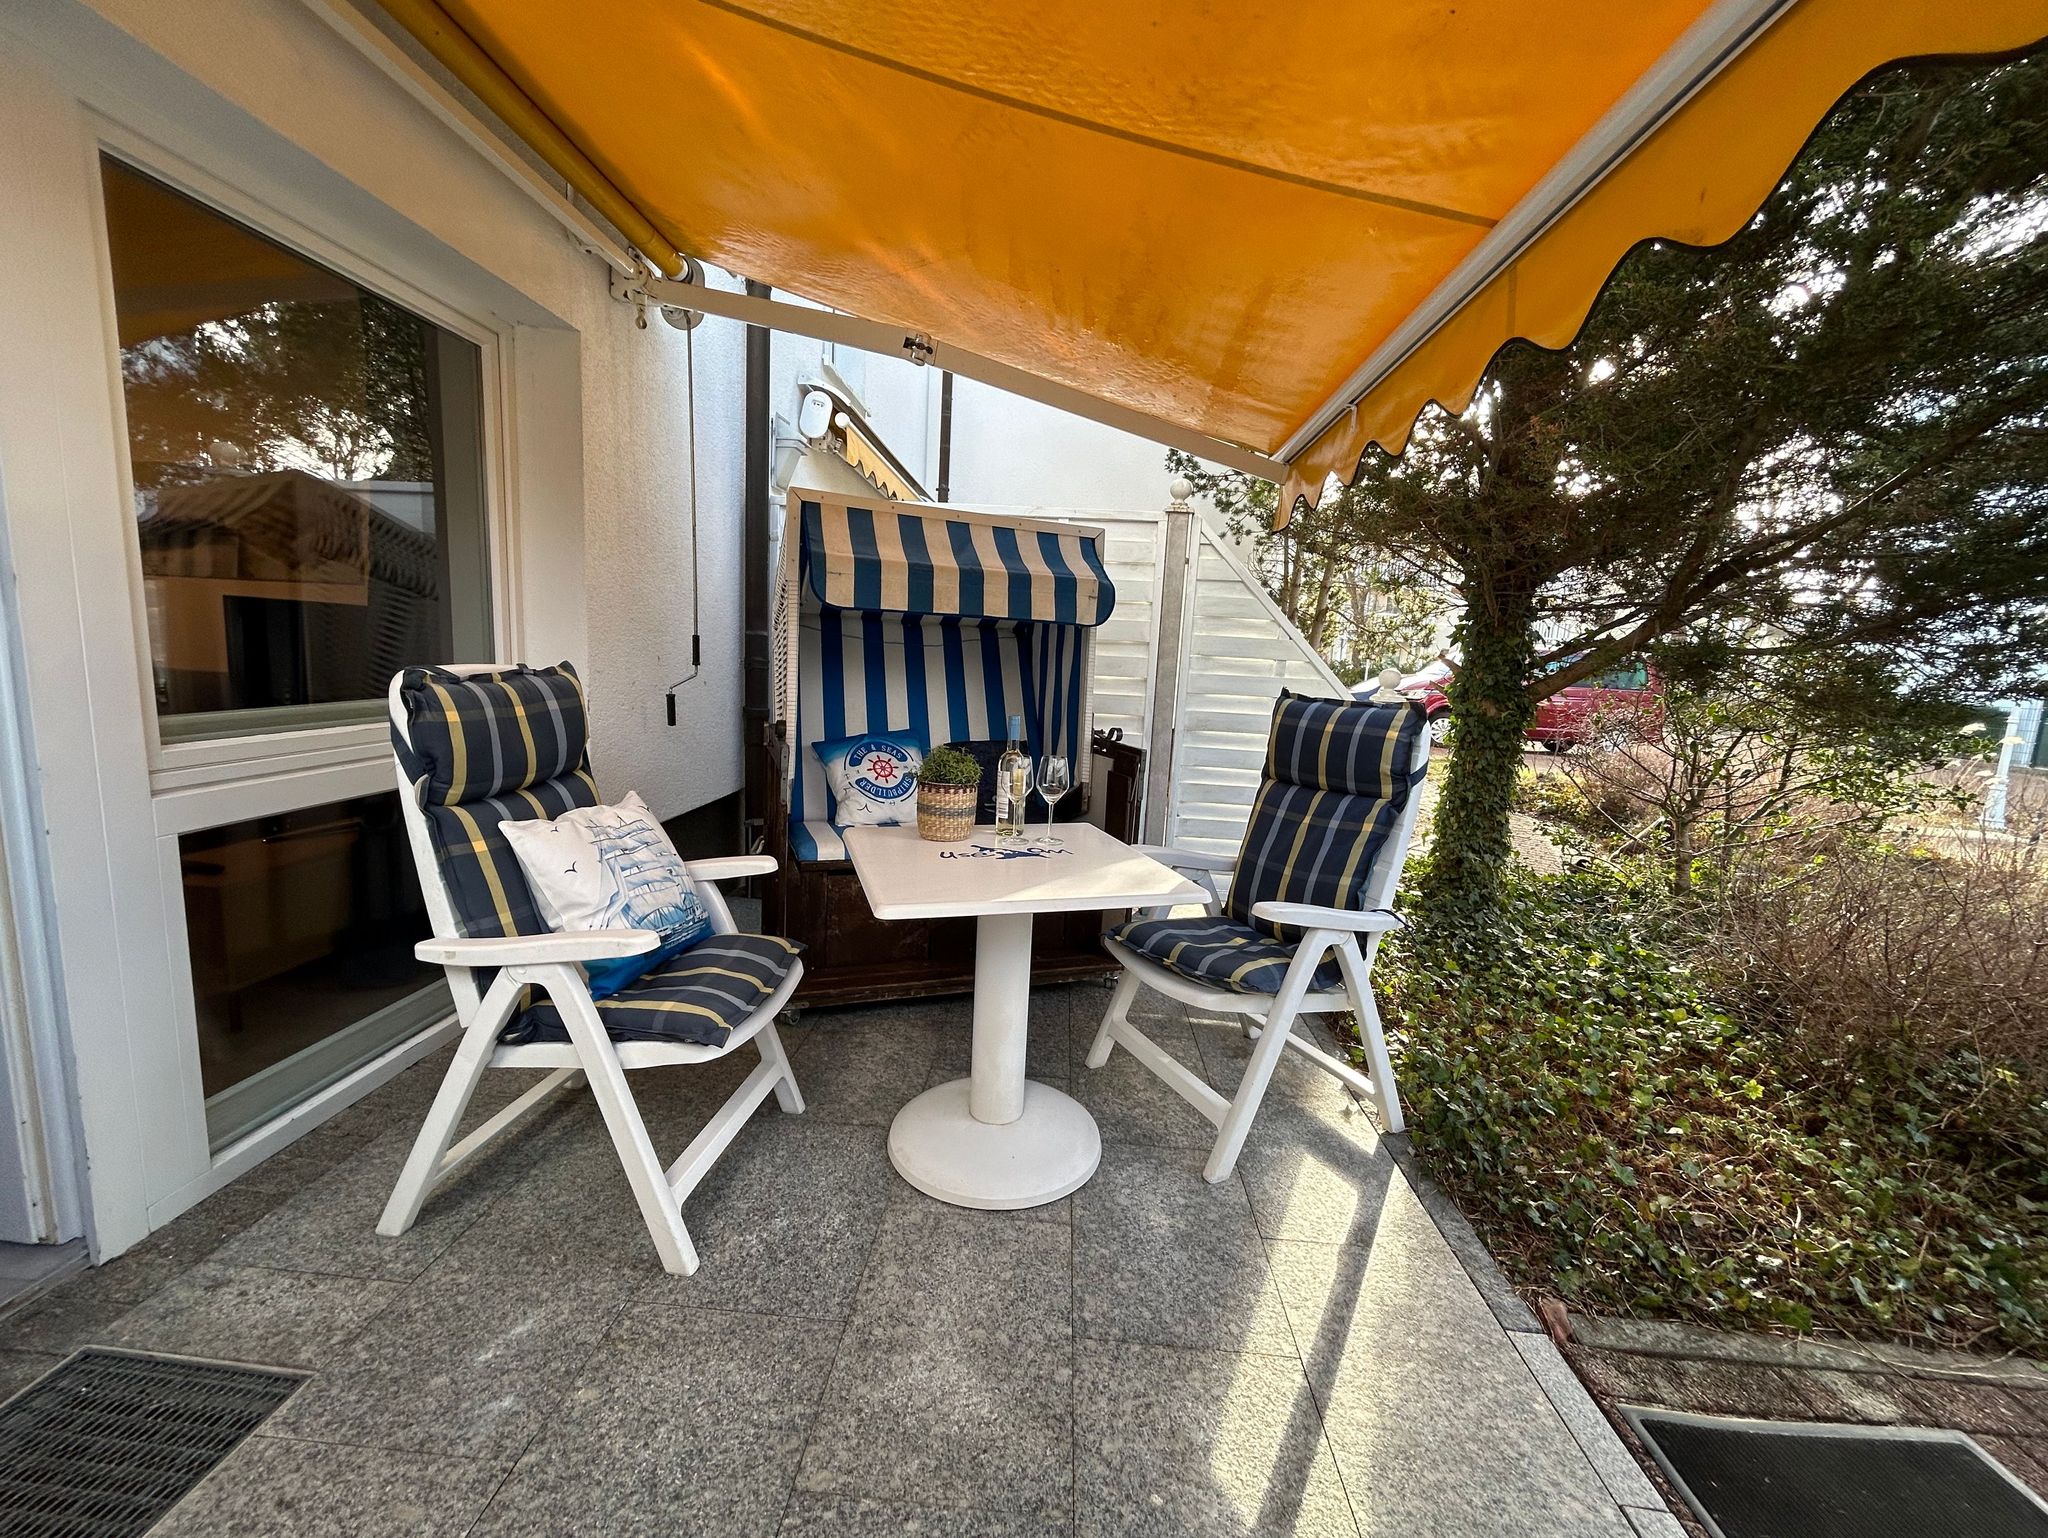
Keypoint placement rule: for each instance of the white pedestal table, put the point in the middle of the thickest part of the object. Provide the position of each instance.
(997, 1139)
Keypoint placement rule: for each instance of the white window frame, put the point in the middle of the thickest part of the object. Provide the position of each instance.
(209, 782)
(255, 756)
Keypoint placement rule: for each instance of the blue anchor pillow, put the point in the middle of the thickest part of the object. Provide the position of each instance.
(873, 778)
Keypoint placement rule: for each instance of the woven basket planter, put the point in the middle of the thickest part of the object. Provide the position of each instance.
(945, 813)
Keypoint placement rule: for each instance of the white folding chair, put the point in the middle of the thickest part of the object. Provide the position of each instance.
(1314, 880)
(507, 743)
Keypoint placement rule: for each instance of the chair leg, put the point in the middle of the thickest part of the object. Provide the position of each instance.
(1251, 1091)
(472, 1057)
(1118, 1013)
(1358, 983)
(659, 1208)
(768, 1041)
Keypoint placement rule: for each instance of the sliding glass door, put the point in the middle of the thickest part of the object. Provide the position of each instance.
(308, 467)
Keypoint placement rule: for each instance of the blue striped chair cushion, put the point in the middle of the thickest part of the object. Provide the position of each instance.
(1337, 780)
(485, 734)
(1218, 951)
(815, 842)
(1344, 745)
(698, 997)
(485, 885)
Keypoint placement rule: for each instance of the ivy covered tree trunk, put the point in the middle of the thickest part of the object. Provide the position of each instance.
(1490, 709)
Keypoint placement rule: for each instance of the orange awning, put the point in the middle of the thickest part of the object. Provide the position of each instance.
(1288, 227)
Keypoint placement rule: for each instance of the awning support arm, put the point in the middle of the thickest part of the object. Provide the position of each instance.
(896, 341)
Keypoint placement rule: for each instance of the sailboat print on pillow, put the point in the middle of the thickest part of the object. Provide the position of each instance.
(611, 867)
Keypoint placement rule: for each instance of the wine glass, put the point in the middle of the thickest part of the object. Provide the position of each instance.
(1054, 781)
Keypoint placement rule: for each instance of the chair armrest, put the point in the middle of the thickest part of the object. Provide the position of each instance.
(732, 867)
(1309, 916)
(538, 950)
(1187, 859)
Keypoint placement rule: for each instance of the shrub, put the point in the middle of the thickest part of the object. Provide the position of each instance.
(1562, 803)
(949, 766)
(1625, 1136)
(1906, 954)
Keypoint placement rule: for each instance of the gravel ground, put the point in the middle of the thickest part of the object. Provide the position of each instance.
(1531, 845)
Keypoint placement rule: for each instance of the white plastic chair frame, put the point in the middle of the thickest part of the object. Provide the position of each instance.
(550, 962)
(1354, 935)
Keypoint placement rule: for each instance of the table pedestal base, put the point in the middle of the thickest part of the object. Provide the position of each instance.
(937, 1145)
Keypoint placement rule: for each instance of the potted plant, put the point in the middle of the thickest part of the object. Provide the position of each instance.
(948, 786)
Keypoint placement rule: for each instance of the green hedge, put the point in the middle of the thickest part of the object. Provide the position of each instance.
(1637, 1146)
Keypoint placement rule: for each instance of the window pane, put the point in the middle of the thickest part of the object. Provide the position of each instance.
(308, 473)
(301, 929)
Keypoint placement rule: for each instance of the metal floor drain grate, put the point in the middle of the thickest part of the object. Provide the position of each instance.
(106, 1442)
(1776, 1479)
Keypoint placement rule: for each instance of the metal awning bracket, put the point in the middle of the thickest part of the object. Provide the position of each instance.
(692, 296)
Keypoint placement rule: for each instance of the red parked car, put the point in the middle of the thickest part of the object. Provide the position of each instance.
(1626, 701)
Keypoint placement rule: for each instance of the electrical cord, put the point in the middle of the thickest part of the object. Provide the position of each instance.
(696, 610)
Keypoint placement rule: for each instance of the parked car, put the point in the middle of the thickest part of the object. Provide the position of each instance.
(1625, 701)
(1622, 704)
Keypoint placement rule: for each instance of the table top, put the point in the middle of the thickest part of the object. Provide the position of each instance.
(906, 877)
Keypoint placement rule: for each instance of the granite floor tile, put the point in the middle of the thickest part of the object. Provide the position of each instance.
(783, 1222)
(1173, 1442)
(331, 1226)
(682, 1422)
(708, 1369)
(269, 1488)
(861, 1070)
(677, 1101)
(464, 1365)
(1132, 1105)
(945, 1417)
(839, 1516)
(1301, 1100)
(1315, 1183)
(18, 1369)
(610, 1476)
(1163, 1257)
(1454, 1435)
(251, 1314)
(1435, 1418)
(1150, 1355)
(571, 1214)
(1403, 1294)
(904, 1194)
(948, 1268)
(77, 1312)
(1509, 1309)
(1587, 1422)
(197, 1232)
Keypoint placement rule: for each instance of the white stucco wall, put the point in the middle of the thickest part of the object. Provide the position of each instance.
(637, 573)
(257, 106)
(603, 507)
(1007, 450)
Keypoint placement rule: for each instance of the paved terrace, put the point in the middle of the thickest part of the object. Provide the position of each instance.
(1298, 1350)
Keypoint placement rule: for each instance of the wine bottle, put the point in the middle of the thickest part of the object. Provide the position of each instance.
(1013, 783)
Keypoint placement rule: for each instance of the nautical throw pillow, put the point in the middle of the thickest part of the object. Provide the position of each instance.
(610, 867)
(873, 777)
